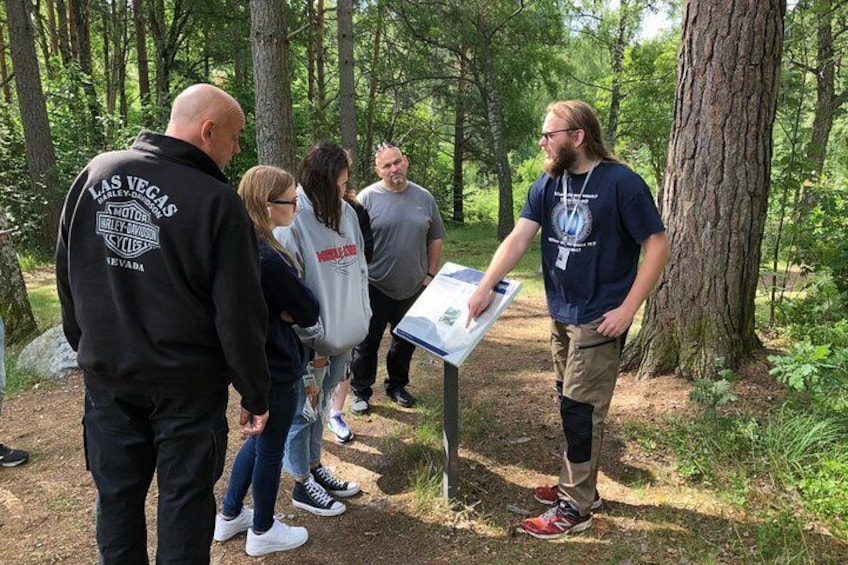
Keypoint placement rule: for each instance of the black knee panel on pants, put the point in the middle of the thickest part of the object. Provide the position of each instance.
(577, 427)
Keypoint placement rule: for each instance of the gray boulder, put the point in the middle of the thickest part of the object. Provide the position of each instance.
(48, 356)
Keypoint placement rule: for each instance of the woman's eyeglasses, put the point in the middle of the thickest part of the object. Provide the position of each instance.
(292, 202)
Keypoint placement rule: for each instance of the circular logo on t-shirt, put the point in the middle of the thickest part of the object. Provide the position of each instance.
(572, 226)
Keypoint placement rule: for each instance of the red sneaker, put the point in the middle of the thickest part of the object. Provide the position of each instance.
(560, 520)
(550, 495)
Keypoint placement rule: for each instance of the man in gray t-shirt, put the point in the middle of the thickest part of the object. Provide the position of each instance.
(408, 233)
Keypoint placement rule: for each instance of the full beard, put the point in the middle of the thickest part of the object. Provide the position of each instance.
(563, 160)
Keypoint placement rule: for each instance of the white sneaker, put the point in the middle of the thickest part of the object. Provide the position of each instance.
(338, 426)
(279, 538)
(225, 529)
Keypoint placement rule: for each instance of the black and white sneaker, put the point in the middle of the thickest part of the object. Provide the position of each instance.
(12, 457)
(312, 497)
(333, 485)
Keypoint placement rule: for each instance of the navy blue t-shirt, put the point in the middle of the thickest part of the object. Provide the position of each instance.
(615, 214)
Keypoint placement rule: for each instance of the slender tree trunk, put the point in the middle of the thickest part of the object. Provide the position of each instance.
(366, 163)
(618, 47)
(62, 32)
(459, 140)
(826, 104)
(318, 96)
(42, 38)
(50, 8)
(108, 70)
(141, 52)
(272, 82)
(715, 196)
(168, 28)
(14, 302)
(4, 69)
(347, 86)
(41, 158)
(494, 116)
(82, 13)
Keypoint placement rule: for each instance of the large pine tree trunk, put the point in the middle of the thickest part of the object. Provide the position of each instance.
(714, 199)
(275, 143)
(41, 157)
(347, 87)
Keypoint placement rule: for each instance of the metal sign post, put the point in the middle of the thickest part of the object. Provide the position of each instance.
(450, 425)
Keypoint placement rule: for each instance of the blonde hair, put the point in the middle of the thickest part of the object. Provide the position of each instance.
(259, 185)
(579, 115)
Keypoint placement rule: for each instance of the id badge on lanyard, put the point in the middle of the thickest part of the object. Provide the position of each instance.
(564, 252)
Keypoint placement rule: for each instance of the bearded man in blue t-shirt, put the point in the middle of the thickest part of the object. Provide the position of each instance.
(596, 216)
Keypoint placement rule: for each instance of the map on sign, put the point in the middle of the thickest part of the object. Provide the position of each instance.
(436, 322)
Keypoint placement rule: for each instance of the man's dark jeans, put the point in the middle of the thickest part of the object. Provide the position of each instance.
(384, 311)
(127, 438)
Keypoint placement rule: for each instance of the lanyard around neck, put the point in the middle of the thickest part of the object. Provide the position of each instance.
(579, 196)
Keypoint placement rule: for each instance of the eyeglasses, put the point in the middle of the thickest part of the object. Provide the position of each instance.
(549, 134)
(292, 202)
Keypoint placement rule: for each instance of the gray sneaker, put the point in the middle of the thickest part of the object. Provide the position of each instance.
(359, 405)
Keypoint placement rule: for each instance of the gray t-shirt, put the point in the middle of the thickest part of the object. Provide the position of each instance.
(403, 224)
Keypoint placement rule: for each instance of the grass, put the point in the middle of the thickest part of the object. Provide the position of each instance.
(473, 246)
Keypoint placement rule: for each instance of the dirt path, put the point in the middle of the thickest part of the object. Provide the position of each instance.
(510, 433)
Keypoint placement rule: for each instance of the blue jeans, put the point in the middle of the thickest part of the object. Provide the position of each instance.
(2, 363)
(303, 444)
(259, 460)
(184, 440)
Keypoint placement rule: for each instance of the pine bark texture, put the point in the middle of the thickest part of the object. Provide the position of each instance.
(41, 157)
(715, 196)
(274, 125)
(347, 86)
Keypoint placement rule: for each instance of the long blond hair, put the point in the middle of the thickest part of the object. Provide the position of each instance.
(259, 185)
(579, 115)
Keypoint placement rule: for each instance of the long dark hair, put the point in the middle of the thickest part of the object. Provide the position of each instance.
(319, 176)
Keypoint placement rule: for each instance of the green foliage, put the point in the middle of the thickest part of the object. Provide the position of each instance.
(17, 381)
(811, 368)
(24, 210)
(714, 393)
(781, 538)
(824, 487)
(796, 448)
(791, 440)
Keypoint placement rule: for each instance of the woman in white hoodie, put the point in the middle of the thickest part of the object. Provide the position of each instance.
(326, 238)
